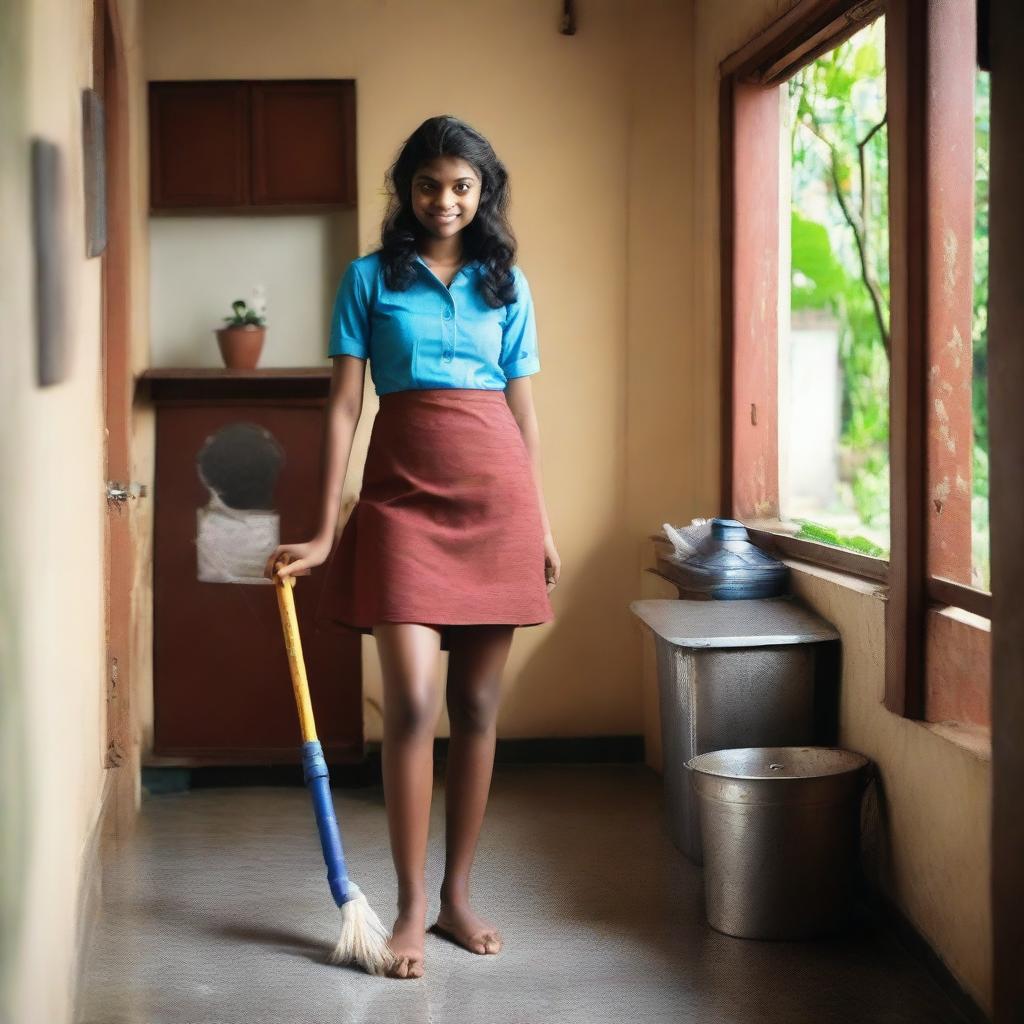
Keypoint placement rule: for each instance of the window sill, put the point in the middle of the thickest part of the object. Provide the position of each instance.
(975, 739)
(867, 586)
(777, 538)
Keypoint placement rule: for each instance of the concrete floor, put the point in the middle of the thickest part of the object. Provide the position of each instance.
(217, 912)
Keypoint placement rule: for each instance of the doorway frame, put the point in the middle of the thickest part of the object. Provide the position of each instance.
(121, 757)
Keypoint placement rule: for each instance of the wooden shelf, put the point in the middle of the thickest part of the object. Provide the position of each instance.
(200, 383)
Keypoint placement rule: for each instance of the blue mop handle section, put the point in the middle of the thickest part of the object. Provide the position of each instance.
(314, 771)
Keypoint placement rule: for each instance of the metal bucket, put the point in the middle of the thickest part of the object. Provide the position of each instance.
(780, 828)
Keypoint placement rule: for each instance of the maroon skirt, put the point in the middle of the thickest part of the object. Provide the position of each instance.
(447, 529)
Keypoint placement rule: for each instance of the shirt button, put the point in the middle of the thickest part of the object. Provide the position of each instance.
(446, 315)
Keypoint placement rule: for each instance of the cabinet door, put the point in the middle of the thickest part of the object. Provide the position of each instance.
(228, 476)
(199, 144)
(303, 142)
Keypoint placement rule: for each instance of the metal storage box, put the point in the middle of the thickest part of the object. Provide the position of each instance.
(751, 673)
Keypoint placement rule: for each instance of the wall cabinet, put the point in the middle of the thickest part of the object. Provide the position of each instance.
(238, 469)
(244, 144)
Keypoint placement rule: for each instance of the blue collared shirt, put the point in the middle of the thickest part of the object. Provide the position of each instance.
(430, 336)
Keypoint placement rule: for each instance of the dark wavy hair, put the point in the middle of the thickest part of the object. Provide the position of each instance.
(487, 237)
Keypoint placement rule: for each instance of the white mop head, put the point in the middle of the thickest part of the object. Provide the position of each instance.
(363, 938)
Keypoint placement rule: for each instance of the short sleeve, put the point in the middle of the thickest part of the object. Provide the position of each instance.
(350, 318)
(519, 355)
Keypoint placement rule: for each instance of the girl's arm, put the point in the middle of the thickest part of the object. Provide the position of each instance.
(344, 406)
(519, 396)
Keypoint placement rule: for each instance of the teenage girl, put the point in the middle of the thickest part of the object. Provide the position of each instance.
(449, 545)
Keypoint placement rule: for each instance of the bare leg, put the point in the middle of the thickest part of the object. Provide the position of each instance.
(412, 704)
(475, 664)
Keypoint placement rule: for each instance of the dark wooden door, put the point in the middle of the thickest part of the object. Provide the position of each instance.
(303, 142)
(199, 144)
(222, 687)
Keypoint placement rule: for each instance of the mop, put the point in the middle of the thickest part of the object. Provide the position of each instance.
(363, 939)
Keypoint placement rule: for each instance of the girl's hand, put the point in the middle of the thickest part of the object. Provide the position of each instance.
(298, 559)
(552, 563)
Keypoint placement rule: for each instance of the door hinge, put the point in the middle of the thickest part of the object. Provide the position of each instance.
(117, 491)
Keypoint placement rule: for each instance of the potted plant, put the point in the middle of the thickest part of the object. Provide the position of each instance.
(241, 339)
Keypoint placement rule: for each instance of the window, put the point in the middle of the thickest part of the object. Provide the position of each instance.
(854, 297)
(834, 298)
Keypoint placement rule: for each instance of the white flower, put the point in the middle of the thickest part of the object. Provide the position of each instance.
(259, 300)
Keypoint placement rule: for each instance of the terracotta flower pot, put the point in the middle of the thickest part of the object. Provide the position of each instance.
(240, 347)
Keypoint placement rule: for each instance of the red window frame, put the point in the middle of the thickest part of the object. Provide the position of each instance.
(927, 71)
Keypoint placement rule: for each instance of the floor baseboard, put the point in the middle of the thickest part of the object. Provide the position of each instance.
(898, 928)
(158, 779)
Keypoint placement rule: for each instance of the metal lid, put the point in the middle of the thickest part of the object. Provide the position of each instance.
(778, 762)
(712, 624)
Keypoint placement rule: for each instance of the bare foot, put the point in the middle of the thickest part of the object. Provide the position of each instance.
(458, 923)
(406, 943)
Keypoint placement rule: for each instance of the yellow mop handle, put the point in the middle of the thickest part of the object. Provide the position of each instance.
(314, 768)
(290, 624)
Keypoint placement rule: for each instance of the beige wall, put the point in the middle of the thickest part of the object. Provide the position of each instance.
(52, 655)
(593, 129)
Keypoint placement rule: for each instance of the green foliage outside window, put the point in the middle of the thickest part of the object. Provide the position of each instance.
(840, 247)
(979, 336)
(840, 264)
